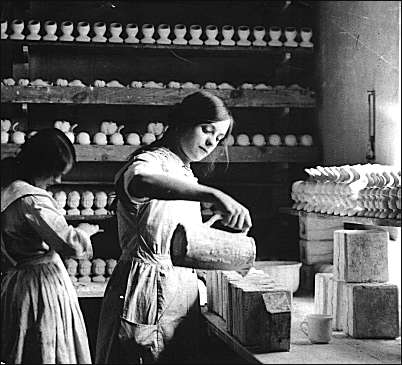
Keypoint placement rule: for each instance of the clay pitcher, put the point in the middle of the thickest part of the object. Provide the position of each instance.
(203, 247)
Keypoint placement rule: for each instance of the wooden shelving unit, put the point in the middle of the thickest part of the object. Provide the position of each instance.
(255, 111)
(236, 153)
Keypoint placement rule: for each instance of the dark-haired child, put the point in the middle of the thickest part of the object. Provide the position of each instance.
(41, 321)
(150, 311)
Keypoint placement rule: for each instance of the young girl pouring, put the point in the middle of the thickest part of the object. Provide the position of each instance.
(150, 311)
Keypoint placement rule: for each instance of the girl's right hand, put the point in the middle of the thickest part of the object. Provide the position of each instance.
(90, 229)
(234, 214)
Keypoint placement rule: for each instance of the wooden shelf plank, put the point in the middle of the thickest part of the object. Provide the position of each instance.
(85, 182)
(236, 153)
(105, 47)
(354, 219)
(90, 290)
(151, 96)
(267, 154)
(89, 218)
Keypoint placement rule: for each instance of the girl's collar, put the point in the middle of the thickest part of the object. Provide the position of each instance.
(18, 189)
(178, 159)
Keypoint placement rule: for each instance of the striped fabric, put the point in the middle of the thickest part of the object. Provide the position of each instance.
(41, 321)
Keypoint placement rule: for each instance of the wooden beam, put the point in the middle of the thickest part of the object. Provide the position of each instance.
(151, 96)
(236, 153)
(160, 48)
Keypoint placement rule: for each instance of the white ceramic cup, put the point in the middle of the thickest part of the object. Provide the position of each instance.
(290, 33)
(317, 327)
(131, 31)
(148, 31)
(211, 31)
(306, 34)
(83, 30)
(50, 29)
(99, 30)
(180, 31)
(34, 28)
(115, 30)
(17, 26)
(259, 34)
(195, 33)
(163, 32)
(275, 33)
(4, 25)
(67, 28)
(227, 34)
(243, 31)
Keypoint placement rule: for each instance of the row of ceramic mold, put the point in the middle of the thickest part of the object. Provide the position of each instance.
(84, 202)
(278, 37)
(258, 139)
(85, 271)
(369, 190)
(110, 134)
(157, 85)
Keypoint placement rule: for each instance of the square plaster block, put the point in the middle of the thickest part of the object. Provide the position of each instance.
(361, 256)
(371, 310)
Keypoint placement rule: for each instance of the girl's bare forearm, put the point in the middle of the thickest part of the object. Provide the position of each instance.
(170, 188)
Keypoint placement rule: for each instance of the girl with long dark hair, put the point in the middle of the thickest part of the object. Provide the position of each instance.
(41, 321)
(150, 311)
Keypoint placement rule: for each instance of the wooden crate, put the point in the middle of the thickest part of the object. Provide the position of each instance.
(313, 252)
(317, 228)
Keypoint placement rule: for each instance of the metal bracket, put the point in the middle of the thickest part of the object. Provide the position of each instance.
(370, 154)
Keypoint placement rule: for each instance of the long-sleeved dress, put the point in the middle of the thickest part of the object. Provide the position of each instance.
(41, 321)
(150, 311)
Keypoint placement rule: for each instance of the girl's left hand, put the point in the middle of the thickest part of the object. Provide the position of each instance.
(217, 217)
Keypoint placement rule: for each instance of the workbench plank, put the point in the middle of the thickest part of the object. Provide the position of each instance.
(341, 350)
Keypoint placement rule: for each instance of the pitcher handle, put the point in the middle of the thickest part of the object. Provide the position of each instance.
(304, 327)
(218, 216)
(213, 219)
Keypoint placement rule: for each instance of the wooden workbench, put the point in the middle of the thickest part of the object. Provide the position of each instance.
(341, 350)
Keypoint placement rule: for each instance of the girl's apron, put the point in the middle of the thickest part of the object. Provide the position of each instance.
(150, 312)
